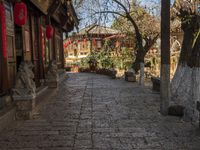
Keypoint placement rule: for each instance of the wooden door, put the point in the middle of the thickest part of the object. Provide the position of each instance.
(10, 43)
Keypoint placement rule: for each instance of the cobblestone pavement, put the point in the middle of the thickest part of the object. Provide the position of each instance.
(94, 112)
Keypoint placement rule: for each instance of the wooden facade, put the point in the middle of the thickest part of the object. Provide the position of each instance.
(29, 42)
(91, 38)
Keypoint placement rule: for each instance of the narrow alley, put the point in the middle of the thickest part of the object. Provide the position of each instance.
(94, 112)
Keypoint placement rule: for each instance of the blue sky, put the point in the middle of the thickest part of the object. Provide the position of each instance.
(108, 21)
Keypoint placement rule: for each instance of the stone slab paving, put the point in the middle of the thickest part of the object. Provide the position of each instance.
(94, 112)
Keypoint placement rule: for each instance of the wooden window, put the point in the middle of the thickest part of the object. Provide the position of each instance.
(9, 45)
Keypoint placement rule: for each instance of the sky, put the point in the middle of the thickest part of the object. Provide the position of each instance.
(107, 21)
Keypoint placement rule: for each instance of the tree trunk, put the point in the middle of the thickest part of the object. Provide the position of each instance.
(191, 112)
(139, 59)
(141, 53)
(183, 71)
(185, 86)
(141, 82)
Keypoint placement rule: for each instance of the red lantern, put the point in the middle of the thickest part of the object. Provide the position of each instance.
(3, 30)
(20, 13)
(49, 31)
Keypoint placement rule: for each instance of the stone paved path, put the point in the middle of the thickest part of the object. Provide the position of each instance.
(93, 112)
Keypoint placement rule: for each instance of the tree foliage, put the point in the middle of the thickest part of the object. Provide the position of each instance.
(185, 87)
(132, 18)
(139, 22)
(109, 57)
(190, 25)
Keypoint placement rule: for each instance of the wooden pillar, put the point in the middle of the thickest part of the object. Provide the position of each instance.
(42, 72)
(4, 85)
(54, 45)
(165, 57)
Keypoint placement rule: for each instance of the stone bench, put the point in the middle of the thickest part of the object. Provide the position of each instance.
(176, 110)
(156, 83)
(109, 72)
(130, 76)
(112, 73)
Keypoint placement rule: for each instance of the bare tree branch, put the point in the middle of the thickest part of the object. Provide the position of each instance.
(111, 12)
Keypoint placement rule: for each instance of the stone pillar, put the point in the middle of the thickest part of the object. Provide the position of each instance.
(165, 57)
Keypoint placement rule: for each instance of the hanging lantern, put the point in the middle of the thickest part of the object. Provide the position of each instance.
(49, 31)
(3, 30)
(20, 13)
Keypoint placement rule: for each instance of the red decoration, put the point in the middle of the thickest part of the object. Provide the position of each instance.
(49, 31)
(94, 42)
(66, 44)
(20, 13)
(3, 30)
(70, 41)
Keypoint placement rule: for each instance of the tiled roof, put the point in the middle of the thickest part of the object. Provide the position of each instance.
(96, 29)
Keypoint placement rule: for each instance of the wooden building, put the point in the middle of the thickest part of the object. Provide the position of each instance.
(91, 38)
(29, 42)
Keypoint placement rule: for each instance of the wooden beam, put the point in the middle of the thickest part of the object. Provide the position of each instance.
(54, 7)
